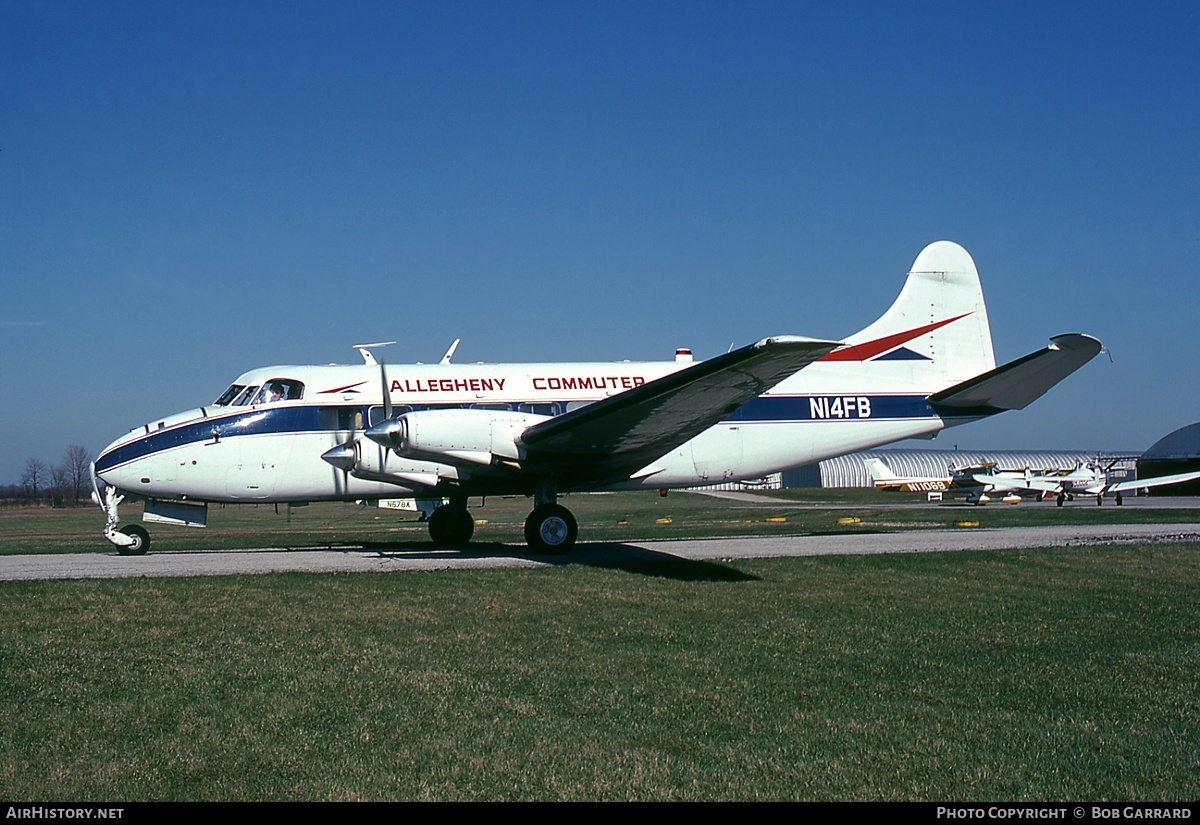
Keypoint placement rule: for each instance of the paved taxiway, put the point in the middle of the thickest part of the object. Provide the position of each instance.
(109, 565)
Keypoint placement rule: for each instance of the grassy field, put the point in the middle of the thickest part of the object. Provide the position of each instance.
(606, 517)
(1066, 674)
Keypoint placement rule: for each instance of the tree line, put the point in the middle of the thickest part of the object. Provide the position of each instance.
(66, 484)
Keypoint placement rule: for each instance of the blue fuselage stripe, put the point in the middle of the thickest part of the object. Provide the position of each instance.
(304, 419)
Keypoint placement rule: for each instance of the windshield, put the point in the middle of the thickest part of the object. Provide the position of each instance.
(243, 397)
(228, 396)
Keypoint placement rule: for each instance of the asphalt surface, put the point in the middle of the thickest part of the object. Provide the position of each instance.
(416, 557)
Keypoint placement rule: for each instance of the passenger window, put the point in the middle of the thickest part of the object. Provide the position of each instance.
(375, 414)
(340, 418)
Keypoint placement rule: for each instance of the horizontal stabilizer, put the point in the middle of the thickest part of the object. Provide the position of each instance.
(624, 432)
(1019, 383)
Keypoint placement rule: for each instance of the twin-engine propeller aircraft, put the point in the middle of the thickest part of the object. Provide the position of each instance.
(1089, 479)
(454, 431)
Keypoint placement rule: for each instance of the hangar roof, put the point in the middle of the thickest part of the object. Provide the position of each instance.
(1183, 443)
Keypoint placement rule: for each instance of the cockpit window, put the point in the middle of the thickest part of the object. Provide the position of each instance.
(279, 389)
(228, 396)
(244, 397)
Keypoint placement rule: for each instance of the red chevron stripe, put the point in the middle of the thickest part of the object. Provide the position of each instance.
(869, 349)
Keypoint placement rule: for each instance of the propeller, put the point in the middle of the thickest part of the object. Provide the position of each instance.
(387, 389)
(344, 456)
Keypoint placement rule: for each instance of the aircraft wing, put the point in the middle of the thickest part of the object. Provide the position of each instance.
(1039, 485)
(1161, 481)
(1019, 383)
(993, 483)
(623, 433)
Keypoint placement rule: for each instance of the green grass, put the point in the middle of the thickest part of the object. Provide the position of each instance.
(609, 517)
(1021, 675)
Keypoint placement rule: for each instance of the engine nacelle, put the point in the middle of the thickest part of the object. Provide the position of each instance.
(456, 436)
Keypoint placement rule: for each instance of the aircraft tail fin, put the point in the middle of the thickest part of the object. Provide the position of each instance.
(880, 472)
(936, 333)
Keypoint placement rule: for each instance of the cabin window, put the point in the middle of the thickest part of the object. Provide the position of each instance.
(340, 418)
(279, 389)
(229, 394)
(540, 409)
(375, 414)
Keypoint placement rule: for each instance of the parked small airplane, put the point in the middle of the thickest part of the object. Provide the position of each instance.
(1088, 478)
(453, 431)
(884, 479)
(958, 479)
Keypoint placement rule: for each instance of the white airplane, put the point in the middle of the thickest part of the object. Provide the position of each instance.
(1086, 479)
(961, 479)
(884, 479)
(454, 431)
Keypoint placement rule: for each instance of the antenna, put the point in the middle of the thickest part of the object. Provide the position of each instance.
(365, 352)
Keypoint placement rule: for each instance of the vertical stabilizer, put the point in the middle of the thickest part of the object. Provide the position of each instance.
(937, 330)
(880, 472)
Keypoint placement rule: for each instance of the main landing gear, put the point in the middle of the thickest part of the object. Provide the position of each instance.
(550, 529)
(451, 524)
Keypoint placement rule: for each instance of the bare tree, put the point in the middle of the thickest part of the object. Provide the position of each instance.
(60, 486)
(34, 477)
(78, 466)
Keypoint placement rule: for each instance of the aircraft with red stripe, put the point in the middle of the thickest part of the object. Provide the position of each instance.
(446, 433)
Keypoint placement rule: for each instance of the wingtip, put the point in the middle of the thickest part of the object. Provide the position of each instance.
(1077, 342)
(793, 340)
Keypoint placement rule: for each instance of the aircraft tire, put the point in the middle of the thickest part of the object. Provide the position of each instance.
(551, 529)
(451, 526)
(141, 541)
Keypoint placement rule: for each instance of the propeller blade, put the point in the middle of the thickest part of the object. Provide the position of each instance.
(387, 390)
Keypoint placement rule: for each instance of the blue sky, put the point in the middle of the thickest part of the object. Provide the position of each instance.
(192, 189)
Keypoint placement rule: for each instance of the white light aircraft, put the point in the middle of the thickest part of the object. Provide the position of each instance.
(454, 431)
(1086, 479)
(884, 479)
(963, 479)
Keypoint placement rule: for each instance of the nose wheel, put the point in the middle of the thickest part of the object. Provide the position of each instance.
(140, 541)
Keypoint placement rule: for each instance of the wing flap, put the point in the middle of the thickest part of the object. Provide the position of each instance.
(1019, 383)
(625, 432)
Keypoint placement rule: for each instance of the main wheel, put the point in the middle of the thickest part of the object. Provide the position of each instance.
(141, 541)
(451, 526)
(551, 528)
